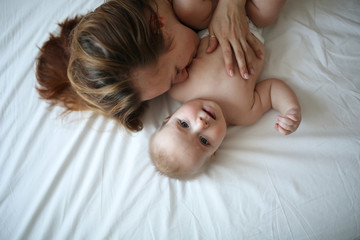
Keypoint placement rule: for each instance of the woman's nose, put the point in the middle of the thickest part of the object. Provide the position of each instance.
(182, 76)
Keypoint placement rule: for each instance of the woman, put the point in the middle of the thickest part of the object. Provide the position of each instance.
(119, 56)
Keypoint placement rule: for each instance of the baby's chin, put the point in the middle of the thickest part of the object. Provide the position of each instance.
(178, 92)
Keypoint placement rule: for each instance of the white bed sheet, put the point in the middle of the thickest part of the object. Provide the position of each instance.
(84, 177)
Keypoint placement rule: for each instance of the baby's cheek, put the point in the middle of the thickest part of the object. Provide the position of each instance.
(179, 92)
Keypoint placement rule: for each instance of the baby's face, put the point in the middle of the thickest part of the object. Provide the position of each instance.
(195, 131)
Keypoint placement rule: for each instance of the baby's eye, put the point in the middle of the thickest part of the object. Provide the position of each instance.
(204, 141)
(183, 124)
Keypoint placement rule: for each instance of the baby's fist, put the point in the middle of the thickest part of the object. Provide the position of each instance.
(289, 123)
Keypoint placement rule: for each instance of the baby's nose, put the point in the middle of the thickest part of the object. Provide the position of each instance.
(203, 122)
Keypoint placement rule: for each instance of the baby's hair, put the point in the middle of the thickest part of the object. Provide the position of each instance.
(164, 163)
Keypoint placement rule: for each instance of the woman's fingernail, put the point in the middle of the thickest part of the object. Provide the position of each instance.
(246, 75)
(231, 73)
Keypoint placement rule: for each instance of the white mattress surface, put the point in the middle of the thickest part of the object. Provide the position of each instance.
(84, 177)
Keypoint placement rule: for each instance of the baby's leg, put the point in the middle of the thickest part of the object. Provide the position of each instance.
(263, 12)
(194, 13)
(276, 94)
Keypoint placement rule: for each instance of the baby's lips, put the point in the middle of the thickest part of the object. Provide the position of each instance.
(210, 112)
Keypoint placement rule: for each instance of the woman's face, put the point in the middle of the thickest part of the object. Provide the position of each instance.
(171, 68)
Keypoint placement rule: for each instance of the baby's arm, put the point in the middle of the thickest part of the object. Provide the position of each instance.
(279, 96)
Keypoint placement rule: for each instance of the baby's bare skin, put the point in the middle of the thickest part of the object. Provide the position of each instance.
(243, 101)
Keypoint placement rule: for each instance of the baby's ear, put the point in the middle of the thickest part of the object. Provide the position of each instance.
(166, 120)
(213, 155)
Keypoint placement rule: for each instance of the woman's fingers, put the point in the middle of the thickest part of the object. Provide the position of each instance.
(228, 56)
(255, 45)
(212, 44)
(243, 57)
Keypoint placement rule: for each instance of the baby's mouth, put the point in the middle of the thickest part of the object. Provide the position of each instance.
(210, 113)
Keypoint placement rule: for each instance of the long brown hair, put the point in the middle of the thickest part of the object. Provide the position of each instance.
(99, 55)
(51, 69)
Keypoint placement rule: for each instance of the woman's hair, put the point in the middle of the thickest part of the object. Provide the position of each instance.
(90, 64)
(51, 69)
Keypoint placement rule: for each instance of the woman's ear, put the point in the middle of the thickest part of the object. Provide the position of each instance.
(162, 20)
(158, 21)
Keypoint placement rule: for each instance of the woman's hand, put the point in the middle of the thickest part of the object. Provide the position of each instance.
(229, 28)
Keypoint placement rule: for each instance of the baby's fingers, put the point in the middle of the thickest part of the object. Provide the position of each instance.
(282, 130)
(284, 121)
(288, 123)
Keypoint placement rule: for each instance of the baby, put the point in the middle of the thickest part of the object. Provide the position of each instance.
(212, 101)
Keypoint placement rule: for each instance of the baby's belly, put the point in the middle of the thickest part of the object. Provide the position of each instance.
(208, 79)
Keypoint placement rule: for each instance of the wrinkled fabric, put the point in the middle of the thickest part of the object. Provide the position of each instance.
(81, 176)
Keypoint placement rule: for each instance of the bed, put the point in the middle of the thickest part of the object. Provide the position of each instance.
(82, 176)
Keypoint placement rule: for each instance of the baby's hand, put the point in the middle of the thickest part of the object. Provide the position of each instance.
(289, 123)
